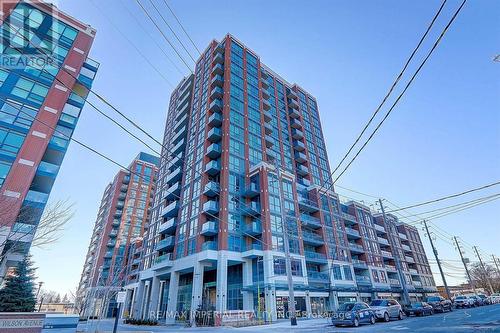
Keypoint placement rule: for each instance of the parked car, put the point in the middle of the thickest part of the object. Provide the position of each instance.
(419, 309)
(478, 301)
(353, 314)
(385, 309)
(463, 301)
(439, 304)
(484, 299)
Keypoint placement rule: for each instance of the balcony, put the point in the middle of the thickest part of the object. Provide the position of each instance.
(267, 116)
(264, 84)
(113, 233)
(299, 145)
(417, 284)
(312, 238)
(165, 244)
(292, 103)
(295, 123)
(250, 251)
(217, 92)
(209, 228)
(118, 213)
(214, 135)
(349, 217)
(310, 221)
(217, 81)
(297, 134)
(254, 228)
(269, 141)
(387, 254)
(318, 277)
(250, 209)
(406, 248)
(251, 191)
(215, 120)
(383, 241)
(307, 205)
(178, 147)
(211, 207)
(352, 233)
(359, 264)
(356, 248)
(108, 255)
(213, 151)
(116, 223)
(170, 210)
(219, 48)
(302, 170)
(379, 228)
(212, 168)
(363, 280)
(394, 282)
(315, 257)
(182, 108)
(216, 106)
(212, 189)
(174, 176)
(268, 128)
(163, 261)
(123, 188)
(292, 94)
(263, 74)
(173, 191)
(403, 236)
(304, 182)
(218, 58)
(266, 105)
(180, 123)
(390, 268)
(409, 259)
(179, 135)
(300, 157)
(413, 271)
(265, 94)
(212, 245)
(111, 243)
(168, 226)
(218, 69)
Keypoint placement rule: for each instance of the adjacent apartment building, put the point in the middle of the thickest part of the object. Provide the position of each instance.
(45, 76)
(244, 164)
(123, 216)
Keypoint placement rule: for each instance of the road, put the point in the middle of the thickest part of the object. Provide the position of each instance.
(482, 319)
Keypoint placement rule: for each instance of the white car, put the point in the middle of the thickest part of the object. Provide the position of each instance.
(385, 309)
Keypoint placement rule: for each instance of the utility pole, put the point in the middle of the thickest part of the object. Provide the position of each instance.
(438, 262)
(399, 268)
(484, 269)
(495, 262)
(465, 264)
(288, 264)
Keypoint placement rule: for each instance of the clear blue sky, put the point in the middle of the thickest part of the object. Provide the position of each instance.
(442, 138)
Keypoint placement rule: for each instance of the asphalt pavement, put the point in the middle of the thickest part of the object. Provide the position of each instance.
(481, 319)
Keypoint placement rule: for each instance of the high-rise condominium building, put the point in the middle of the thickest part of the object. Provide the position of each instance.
(121, 220)
(244, 164)
(45, 76)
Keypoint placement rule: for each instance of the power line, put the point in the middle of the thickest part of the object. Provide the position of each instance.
(171, 30)
(447, 197)
(403, 92)
(163, 34)
(391, 89)
(182, 27)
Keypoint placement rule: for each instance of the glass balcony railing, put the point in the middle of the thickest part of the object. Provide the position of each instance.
(212, 189)
(209, 228)
(310, 221)
(212, 168)
(214, 135)
(318, 276)
(361, 279)
(315, 256)
(254, 228)
(211, 245)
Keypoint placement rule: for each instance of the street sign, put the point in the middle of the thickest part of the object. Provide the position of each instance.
(120, 297)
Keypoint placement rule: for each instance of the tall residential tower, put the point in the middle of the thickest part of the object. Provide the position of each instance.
(122, 218)
(45, 77)
(244, 162)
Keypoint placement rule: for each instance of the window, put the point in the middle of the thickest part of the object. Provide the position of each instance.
(4, 170)
(10, 142)
(30, 91)
(337, 274)
(347, 273)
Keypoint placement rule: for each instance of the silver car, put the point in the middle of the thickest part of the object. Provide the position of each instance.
(385, 309)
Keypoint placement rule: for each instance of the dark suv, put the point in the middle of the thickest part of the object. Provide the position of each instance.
(439, 304)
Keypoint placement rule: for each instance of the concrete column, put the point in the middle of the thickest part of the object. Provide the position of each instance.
(247, 281)
(173, 289)
(138, 300)
(154, 298)
(145, 300)
(221, 296)
(197, 291)
(270, 299)
(308, 305)
(334, 301)
(125, 305)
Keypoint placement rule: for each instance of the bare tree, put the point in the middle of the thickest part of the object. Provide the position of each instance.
(30, 225)
(480, 276)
